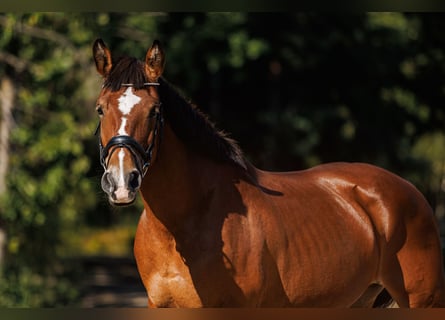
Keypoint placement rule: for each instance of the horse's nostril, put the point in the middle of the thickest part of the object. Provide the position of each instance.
(134, 180)
(107, 182)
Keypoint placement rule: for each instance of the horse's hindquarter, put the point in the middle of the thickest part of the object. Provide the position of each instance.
(339, 227)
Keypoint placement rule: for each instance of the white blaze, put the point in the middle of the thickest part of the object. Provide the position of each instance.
(121, 156)
(127, 101)
(122, 128)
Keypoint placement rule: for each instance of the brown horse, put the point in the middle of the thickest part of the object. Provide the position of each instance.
(217, 232)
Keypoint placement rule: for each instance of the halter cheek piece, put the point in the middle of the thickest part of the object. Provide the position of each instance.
(142, 157)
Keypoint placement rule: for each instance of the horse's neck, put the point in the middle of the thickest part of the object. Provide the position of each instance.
(174, 187)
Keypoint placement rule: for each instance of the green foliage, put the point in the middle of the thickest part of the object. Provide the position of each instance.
(25, 288)
(428, 151)
(47, 184)
(296, 89)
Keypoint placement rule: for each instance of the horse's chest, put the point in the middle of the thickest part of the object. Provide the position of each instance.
(171, 289)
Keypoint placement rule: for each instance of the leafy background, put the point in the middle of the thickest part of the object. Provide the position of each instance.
(295, 89)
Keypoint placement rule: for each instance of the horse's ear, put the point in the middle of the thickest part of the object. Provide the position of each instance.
(102, 57)
(154, 61)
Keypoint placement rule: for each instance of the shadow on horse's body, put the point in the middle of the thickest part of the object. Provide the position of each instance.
(216, 231)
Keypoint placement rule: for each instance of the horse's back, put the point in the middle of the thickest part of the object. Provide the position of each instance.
(387, 199)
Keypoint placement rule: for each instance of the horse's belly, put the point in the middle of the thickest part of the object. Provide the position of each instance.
(334, 275)
(328, 261)
(334, 288)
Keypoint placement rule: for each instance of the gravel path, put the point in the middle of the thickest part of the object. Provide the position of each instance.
(112, 282)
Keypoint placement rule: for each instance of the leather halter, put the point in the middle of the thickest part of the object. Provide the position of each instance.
(142, 157)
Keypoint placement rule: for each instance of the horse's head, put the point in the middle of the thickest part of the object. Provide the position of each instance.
(130, 119)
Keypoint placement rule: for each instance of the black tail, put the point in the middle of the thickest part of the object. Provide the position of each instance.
(383, 300)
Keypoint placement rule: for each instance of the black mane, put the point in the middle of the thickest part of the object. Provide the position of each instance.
(194, 128)
(189, 124)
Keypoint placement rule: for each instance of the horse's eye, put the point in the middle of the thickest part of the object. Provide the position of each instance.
(99, 110)
(152, 113)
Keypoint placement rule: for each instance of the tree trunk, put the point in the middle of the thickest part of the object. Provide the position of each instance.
(7, 93)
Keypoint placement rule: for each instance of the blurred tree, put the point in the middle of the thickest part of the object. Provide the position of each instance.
(7, 97)
(47, 57)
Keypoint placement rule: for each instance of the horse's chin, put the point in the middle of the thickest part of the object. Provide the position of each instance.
(121, 200)
(119, 203)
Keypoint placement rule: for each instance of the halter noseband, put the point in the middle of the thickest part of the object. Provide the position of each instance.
(142, 157)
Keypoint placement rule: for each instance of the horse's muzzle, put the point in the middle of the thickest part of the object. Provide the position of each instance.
(121, 188)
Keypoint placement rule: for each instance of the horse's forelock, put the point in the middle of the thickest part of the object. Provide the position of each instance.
(126, 70)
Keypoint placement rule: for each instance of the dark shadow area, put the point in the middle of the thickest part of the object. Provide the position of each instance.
(200, 244)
